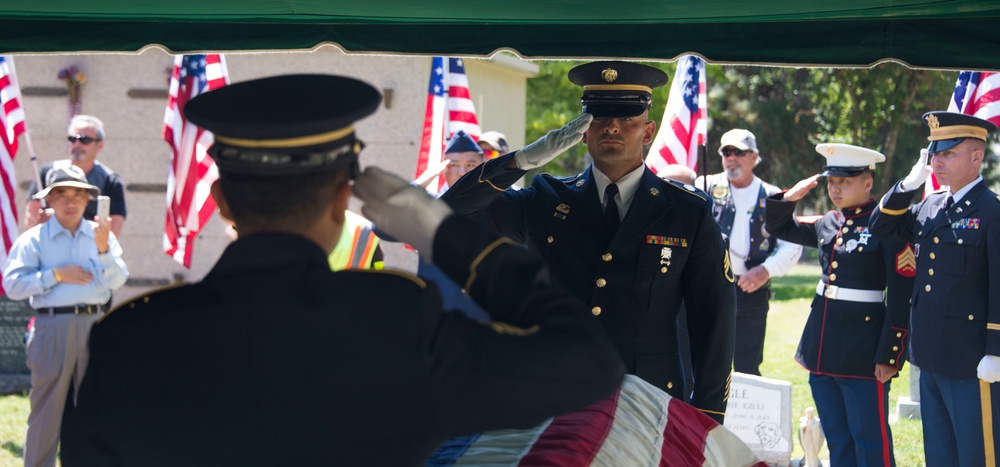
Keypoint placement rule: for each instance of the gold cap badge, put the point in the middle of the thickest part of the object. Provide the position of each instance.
(609, 74)
(932, 122)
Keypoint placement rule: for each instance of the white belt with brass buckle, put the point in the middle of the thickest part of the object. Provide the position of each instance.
(849, 295)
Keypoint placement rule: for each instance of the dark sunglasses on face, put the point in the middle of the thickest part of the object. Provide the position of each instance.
(82, 139)
(726, 152)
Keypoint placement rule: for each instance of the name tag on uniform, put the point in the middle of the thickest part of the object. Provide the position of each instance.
(967, 223)
(669, 241)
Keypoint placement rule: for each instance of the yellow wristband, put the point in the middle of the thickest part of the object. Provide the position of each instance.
(56, 274)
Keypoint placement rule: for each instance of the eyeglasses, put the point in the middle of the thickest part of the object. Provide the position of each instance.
(726, 152)
(82, 139)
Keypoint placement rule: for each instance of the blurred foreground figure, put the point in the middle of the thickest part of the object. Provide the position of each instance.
(273, 359)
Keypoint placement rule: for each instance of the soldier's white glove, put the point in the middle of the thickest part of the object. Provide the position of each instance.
(918, 174)
(402, 210)
(989, 369)
(552, 144)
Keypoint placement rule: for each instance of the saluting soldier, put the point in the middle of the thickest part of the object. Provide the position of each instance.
(631, 245)
(854, 339)
(274, 359)
(955, 309)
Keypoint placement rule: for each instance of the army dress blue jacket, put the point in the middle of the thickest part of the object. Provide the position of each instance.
(844, 337)
(955, 306)
(668, 249)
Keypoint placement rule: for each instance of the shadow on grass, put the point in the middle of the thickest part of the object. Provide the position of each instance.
(13, 448)
(800, 282)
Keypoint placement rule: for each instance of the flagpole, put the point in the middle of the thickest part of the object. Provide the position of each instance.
(702, 155)
(27, 136)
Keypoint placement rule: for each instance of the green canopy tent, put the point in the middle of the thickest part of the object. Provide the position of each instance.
(920, 33)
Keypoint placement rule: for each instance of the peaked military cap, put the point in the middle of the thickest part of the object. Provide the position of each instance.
(948, 129)
(845, 160)
(616, 89)
(284, 124)
(462, 142)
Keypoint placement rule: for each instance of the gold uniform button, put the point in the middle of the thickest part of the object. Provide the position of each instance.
(868, 318)
(840, 241)
(845, 230)
(550, 239)
(895, 348)
(930, 272)
(927, 288)
(663, 269)
(960, 241)
(833, 277)
(595, 310)
(601, 282)
(834, 265)
(937, 240)
(892, 361)
(606, 257)
(971, 317)
(861, 248)
(933, 255)
(899, 334)
(670, 385)
(850, 221)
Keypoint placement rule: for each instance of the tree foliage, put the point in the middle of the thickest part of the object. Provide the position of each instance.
(790, 110)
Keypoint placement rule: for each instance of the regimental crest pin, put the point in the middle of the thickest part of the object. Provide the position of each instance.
(563, 208)
(609, 74)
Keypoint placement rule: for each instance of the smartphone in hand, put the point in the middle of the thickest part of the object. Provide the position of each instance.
(103, 207)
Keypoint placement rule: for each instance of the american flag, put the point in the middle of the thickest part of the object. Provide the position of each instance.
(638, 425)
(192, 170)
(975, 94)
(684, 123)
(449, 109)
(11, 126)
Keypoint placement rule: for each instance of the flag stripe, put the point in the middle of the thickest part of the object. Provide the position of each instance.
(12, 125)
(192, 170)
(976, 93)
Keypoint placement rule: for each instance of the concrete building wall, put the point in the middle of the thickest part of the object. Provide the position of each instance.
(128, 92)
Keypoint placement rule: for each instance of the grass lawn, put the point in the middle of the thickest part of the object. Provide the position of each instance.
(793, 294)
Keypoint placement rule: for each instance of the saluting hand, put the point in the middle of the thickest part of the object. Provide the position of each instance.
(553, 144)
(800, 189)
(918, 174)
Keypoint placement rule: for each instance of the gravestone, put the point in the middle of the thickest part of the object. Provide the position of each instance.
(909, 407)
(14, 316)
(760, 414)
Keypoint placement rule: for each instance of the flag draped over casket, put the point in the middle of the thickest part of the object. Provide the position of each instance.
(639, 425)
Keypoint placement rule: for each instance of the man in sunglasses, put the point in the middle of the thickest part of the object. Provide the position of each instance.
(739, 197)
(86, 140)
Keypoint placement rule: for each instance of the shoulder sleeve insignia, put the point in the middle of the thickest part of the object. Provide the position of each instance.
(906, 262)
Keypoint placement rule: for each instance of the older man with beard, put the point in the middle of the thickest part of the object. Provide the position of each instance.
(631, 245)
(739, 197)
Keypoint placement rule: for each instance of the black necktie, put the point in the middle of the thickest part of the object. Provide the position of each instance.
(947, 205)
(611, 209)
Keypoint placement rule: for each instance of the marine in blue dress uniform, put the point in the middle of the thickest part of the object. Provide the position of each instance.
(854, 339)
(955, 306)
(273, 359)
(632, 254)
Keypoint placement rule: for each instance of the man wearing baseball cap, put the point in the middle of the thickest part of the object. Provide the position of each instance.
(738, 197)
(854, 340)
(631, 245)
(955, 309)
(66, 267)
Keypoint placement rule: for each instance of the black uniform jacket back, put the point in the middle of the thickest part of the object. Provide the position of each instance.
(847, 338)
(668, 249)
(955, 317)
(275, 360)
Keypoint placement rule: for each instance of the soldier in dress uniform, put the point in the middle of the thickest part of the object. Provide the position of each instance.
(853, 341)
(274, 359)
(629, 244)
(955, 309)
